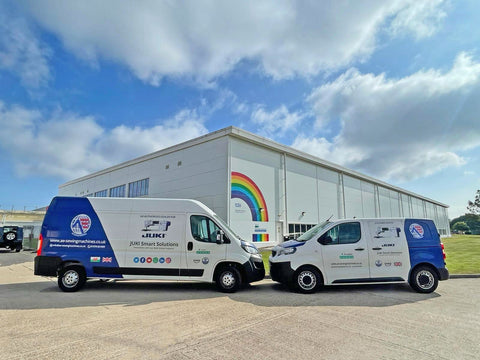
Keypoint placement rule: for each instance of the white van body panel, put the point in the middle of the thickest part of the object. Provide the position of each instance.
(380, 252)
(162, 239)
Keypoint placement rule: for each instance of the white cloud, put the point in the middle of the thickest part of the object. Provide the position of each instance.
(69, 145)
(399, 129)
(21, 53)
(203, 40)
(275, 123)
(419, 18)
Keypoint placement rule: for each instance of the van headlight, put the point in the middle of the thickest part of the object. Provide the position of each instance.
(286, 251)
(249, 248)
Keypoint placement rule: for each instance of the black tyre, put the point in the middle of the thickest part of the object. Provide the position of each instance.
(228, 279)
(307, 280)
(424, 279)
(10, 236)
(71, 278)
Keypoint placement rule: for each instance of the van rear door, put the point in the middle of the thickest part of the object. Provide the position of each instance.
(388, 250)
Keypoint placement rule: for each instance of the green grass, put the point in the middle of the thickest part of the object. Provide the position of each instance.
(463, 254)
(265, 254)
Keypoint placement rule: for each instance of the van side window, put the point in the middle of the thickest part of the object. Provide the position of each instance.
(203, 228)
(347, 233)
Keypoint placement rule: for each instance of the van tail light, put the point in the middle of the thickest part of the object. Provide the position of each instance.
(40, 243)
(443, 251)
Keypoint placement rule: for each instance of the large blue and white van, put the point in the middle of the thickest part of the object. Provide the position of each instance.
(122, 238)
(362, 251)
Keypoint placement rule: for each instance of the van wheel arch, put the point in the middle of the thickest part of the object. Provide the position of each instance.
(309, 270)
(66, 263)
(428, 268)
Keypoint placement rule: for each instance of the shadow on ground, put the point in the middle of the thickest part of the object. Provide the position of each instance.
(47, 295)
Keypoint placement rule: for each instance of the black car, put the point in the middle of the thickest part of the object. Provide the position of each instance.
(11, 237)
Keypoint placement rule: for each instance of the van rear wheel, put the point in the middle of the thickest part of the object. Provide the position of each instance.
(228, 279)
(424, 279)
(71, 278)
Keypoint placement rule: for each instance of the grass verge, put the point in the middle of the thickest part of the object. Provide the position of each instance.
(463, 254)
(265, 254)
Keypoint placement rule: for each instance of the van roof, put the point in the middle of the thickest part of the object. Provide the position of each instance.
(143, 204)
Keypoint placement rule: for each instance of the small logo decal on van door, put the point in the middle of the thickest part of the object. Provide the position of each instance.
(416, 230)
(80, 225)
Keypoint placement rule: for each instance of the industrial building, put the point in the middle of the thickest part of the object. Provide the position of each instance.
(264, 190)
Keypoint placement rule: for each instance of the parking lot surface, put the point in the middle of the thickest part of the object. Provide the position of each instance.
(166, 320)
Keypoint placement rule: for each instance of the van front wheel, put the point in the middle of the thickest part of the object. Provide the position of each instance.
(71, 278)
(424, 279)
(307, 280)
(228, 279)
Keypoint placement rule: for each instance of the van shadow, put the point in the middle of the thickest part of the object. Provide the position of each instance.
(47, 295)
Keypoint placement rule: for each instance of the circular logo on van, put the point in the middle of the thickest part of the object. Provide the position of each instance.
(80, 224)
(416, 230)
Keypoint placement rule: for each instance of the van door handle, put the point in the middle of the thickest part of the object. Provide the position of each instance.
(377, 248)
(359, 249)
(190, 246)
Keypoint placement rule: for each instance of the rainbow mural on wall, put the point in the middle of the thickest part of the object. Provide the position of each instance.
(245, 188)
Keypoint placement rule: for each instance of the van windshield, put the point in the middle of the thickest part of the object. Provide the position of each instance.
(313, 231)
(225, 225)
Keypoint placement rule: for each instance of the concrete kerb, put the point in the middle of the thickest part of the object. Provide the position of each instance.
(464, 276)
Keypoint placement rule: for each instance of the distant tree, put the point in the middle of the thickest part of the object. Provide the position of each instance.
(474, 206)
(461, 226)
(472, 221)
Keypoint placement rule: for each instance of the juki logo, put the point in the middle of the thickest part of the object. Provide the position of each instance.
(416, 230)
(80, 225)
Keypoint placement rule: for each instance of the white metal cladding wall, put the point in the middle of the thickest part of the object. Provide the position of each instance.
(329, 194)
(344, 196)
(264, 170)
(302, 192)
(198, 172)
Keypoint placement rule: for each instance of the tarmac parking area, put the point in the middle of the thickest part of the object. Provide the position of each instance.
(160, 320)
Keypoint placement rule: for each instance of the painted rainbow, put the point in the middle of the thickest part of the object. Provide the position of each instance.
(245, 188)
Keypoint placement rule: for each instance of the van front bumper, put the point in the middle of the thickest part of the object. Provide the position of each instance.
(281, 272)
(254, 269)
(46, 265)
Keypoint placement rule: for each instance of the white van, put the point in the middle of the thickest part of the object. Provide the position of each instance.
(362, 251)
(122, 238)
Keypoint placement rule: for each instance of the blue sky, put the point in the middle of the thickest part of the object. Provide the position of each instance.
(387, 88)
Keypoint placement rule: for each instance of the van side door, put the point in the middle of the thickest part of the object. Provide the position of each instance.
(388, 250)
(202, 248)
(345, 254)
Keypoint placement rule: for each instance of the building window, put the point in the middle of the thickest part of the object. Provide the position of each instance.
(102, 193)
(118, 191)
(138, 188)
(295, 230)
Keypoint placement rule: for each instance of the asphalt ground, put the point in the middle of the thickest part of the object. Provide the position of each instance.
(166, 320)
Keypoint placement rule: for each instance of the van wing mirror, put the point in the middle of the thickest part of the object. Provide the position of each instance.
(325, 239)
(220, 238)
